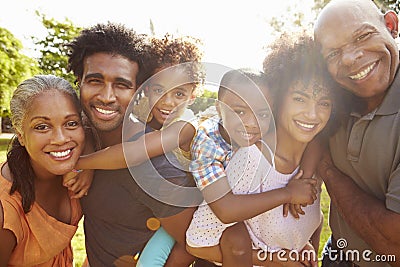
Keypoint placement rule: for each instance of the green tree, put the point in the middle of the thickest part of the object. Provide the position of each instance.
(52, 49)
(294, 19)
(386, 5)
(14, 68)
(152, 31)
(204, 101)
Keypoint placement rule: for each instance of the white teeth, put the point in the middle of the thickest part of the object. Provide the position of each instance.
(60, 154)
(166, 112)
(106, 112)
(364, 73)
(247, 135)
(308, 126)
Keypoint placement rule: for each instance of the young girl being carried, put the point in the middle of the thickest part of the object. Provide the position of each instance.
(259, 183)
(159, 133)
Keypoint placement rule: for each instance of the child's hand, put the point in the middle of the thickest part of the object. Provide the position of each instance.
(302, 191)
(78, 183)
(69, 176)
(294, 209)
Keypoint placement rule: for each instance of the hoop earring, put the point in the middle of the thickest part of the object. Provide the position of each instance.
(150, 117)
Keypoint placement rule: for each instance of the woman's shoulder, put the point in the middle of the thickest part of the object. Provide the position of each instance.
(11, 211)
(12, 204)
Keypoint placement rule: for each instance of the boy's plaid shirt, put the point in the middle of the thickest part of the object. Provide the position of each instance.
(210, 153)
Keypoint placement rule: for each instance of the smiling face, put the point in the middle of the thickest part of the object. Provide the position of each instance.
(305, 111)
(359, 49)
(53, 137)
(245, 121)
(169, 92)
(106, 88)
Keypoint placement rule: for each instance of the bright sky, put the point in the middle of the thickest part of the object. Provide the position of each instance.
(233, 32)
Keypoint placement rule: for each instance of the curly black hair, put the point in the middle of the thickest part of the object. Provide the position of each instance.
(169, 51)
(295, 57)
(111, 38)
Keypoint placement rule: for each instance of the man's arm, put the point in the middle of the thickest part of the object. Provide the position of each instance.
(365, 214)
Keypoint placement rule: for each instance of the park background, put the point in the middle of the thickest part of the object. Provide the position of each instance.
(233, 33)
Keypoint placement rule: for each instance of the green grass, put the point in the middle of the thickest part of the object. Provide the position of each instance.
(4, 141)
(326, 231)
(78, 245)
(78, 242)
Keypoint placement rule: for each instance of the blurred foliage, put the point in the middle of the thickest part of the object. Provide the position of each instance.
(386, 5)
(53, 54)
(204, 101)
(14, 68)
(53, 57)
(151, 26)
(295, 19)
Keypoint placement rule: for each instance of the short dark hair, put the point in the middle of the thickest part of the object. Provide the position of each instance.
(242, 76)
(110, 38)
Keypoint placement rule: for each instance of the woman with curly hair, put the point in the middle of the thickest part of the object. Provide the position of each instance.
(259, 183)
(160, 125)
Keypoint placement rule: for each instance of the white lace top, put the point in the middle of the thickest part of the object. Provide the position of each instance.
(250, 172)
(271, 231)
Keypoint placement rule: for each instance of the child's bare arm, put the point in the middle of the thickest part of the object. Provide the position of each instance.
(310, 159)
(148, 146)
(221, 199)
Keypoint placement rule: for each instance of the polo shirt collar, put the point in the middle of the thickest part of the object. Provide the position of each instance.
(390, 104)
